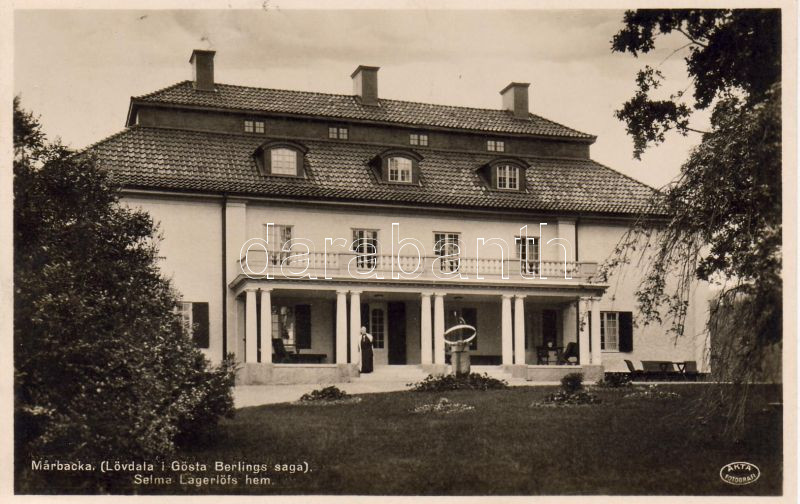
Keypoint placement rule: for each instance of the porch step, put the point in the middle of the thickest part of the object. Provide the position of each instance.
(390, 373)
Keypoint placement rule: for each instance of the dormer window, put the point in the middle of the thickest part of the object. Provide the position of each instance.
(281, 158)
(504, 174)
(400, 170)
(396, 166)
(338, 133)
(507, 177)
(251, 126)
(495, 146)
(283, 161)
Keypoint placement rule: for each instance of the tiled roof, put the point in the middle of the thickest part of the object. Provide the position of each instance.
(173, 159)
(348, 107)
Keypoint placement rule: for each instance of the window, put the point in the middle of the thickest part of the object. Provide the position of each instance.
(418, 139)
(251, 126)
(365, 244)
(400, 170)
(528, 254)
(283, 161)
(195, 320)
(338, 132)
(609, 331)
(377, 327)
(508, 177)
(495, 146)
(277, 236)
(446, 246)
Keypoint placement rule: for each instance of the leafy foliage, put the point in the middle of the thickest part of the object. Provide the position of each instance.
(572, 382)
(615, 380)
(651, 392)
(103, 367)
(729, 52)
(720, 220)
(572, 393)
(332, 393)
(472, 381)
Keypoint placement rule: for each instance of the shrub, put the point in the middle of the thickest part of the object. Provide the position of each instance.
(572, 383)
(332, 393)
(615, 380)
(103, 367)
(213, 391)
(472, 381)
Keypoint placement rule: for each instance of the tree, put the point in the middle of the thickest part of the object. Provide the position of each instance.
(720, 220)
(103, 367)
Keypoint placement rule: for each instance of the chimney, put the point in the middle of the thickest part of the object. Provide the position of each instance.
(515, 99)
(203, 69)
(365, 84)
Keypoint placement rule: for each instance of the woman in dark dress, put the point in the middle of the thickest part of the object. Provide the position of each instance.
(366, 351)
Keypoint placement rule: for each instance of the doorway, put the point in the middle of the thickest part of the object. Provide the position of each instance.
(376, 326)
(397, 333)
(550, 328)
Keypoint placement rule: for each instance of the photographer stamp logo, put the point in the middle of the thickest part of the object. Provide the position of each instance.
(739, 473)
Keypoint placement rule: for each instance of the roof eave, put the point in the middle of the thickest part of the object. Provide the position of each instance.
(130, 119)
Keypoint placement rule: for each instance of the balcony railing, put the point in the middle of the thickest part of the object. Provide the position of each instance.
(338, 265)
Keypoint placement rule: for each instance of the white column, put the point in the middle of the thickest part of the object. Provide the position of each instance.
(568, 327)
(355, 325)
(250, 326)
(426, 356)
(266, 326)
(597, 354)
(438, 328)
(341, 327)
(519, 330)
(583, 334)
(505, 332)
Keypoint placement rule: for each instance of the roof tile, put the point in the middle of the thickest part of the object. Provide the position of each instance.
(348, 107)
(173, 159)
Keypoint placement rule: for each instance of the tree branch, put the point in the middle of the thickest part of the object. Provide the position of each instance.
(694, 41)
(673, 53)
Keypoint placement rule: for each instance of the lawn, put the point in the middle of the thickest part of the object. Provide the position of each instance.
(504, 446)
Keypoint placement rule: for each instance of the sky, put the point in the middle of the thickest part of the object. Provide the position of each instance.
(77, 69)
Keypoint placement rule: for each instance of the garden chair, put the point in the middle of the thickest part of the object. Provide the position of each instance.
(635, 374)
(570, 355)
(690, 370)
(653, 370)
(542, 356)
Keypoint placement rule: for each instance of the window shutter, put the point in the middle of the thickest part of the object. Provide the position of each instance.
(200, 319)
(302, 320)
(625, 331)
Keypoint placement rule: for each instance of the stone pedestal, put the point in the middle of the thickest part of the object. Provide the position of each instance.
(459, 358)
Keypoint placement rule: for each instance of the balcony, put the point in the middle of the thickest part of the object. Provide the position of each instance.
(352, 266)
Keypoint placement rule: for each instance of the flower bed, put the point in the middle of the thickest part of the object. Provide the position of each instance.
(443, 406)
(472, 381)
(327, 396)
